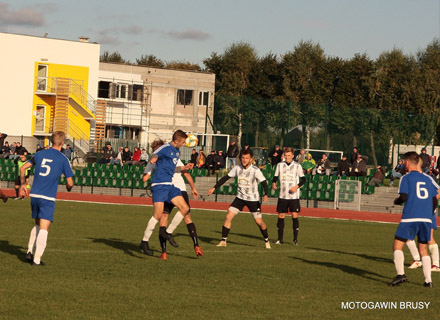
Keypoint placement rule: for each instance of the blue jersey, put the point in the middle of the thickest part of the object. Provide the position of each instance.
(49, 165)
(420, 189)
(166, 164)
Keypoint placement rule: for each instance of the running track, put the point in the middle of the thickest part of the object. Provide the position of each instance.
(208, 205)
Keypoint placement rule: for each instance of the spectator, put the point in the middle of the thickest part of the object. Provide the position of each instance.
(308, 164)
(21, 160)
(354, 155)
(323, 166)
(136, 154)
(232, 154)
(301, 156)
(38, 148)
(359, 167)
(5, 151)
(397, 172)
(201, 160)
(343, 167)
(426, 161)
(211, 162)
(378, 177)
(126, 155)
(107, 155)
(67, 152)
(118, 158)
(432, 173)
(275, 156)
(194, 156)
(221, 160)
(18, 151)
(438, 162)
(144, 157)
(2, 138)
(12, 147)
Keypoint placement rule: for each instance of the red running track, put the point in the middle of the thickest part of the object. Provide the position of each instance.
(208, 205)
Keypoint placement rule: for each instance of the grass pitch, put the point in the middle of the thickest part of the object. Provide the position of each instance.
(95, 269)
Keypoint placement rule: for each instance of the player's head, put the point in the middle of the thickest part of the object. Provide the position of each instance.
(246, 157)
(411, 160)
(288, 154)
(156, 144)
(179, 138)
(58, 138)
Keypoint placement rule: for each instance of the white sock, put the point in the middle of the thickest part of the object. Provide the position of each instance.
(150, 228)
(426, 264)
(175, 222)
(32, 238)
(413, 249)
(399, 260)
(40, 246)
(433, 250)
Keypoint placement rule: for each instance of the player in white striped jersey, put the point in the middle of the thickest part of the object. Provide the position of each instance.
(291, 177)
(248, 196)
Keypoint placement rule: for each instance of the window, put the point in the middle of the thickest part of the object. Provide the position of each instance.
(203, 98)
(184, 97)
(104, 89)
(121, 90)
(42, 77)
(39, 118)
(137, 92)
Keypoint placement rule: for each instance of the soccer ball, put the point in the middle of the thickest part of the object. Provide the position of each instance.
(191, 141)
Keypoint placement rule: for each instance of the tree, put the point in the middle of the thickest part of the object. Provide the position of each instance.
(150, 61)
(183, 65)
(112, 57)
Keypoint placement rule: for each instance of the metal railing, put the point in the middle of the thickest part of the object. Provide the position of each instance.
(76, 91)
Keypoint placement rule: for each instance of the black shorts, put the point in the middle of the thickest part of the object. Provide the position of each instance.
(18, 180)
(239, 204)
(286, 205)
(168, 206)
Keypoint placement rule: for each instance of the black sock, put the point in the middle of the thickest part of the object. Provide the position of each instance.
(163, 238)
(280, 227)
(295, 228)
(193, 233)
(16, 192)
(225, 232)
(265, 235)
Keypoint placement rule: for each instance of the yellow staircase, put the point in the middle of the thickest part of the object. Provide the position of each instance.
(100, 115)
(61, 111)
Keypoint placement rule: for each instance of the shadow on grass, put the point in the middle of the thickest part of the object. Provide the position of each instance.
(14, 250)
(126, 247)
(348, 269)
(360, 255)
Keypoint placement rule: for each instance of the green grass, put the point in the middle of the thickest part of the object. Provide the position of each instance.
(95, 270)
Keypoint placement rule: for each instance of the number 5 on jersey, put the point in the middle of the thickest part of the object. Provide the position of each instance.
(47, 167)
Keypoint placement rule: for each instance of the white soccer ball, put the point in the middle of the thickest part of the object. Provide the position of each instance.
(191, 141)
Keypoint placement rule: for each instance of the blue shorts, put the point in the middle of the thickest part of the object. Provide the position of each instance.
(42, 209)
(434, 222)
(165, 192)
(409, 231)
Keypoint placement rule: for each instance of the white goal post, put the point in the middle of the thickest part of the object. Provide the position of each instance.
(348, 195)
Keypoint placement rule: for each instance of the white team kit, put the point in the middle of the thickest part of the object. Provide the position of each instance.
(289, 175)
(248, 180)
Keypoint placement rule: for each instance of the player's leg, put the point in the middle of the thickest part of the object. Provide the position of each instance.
(235, 207)
(3, 196)
(42, 211)
(41, 241)
(294, 207)
(255, 209)
(426, 262)
(32, 241)
(433, 247)
(17, 187)
(144, 245)
(399, 260)
(412, 246)
(281, 210)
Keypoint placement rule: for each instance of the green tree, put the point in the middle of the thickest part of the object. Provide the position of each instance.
(183, 65)
(112, 57)
(150, 61)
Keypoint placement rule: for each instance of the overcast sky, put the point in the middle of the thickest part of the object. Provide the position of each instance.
(191, 30)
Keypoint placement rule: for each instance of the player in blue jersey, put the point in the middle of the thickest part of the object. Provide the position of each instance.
(420, 192)
(166, 158)
(49, 165)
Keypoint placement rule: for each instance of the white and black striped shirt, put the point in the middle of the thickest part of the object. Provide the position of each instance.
(289, 175)
(248, 180)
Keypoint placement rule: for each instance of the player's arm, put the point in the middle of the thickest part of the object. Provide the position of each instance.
(401, 199)
(23, 190)
(191, 183)
(265, 189)
(69, 184)
(154, 158)
(180, 169)
(219, 184)
(147, 172)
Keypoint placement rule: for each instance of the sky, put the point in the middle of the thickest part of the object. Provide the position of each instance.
(192, 30)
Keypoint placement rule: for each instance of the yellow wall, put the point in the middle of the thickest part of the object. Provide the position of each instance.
(81, 76)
